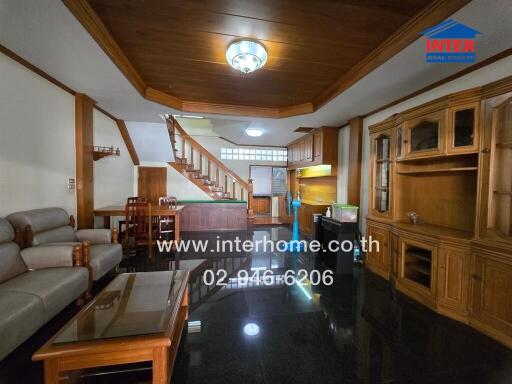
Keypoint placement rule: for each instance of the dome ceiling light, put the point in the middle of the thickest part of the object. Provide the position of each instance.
(254, 132)
(246, 55)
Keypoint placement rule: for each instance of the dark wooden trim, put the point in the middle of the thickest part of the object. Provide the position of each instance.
(84, 13)
(432, 14)
(435, 12)
(465, 71)
(355, 161)
(128, 141)
(84, 161)
(7, 52)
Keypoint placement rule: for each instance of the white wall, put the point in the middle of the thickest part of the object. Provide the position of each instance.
(343, 149)
(482, 76)
(177, 184)
(113, 175)
(37, 141)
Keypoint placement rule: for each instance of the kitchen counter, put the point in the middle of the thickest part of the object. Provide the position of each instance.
(315, 203)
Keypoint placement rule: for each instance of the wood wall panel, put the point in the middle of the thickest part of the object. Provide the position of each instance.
(84, 161)
(354, 161)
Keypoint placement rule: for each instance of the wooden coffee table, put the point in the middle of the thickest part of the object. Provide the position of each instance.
(138, 317)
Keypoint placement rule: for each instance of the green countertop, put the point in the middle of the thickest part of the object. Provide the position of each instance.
(180, 202)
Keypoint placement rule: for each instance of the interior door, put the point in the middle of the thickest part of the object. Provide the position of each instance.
(152, 183)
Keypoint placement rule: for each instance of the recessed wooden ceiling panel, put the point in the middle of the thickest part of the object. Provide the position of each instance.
(178, 47)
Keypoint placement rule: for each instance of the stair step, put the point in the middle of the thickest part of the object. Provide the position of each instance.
(208, 182)
(216, 189)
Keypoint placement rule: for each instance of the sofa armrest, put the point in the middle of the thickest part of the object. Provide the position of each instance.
(52, 256)
(94, 236)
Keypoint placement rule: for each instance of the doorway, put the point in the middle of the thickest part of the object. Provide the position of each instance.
(152, 183)
(269, 187)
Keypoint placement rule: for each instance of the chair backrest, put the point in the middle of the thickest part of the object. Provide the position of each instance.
(47, 225)
(11, 264)
(136, 199)
(138, 220)
(168, 202)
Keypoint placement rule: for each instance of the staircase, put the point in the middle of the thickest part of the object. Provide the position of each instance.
(198, 165)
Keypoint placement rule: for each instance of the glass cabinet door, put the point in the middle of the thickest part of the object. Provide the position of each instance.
(500, 213)
(382, 172)
(463, 129)
(424, 136)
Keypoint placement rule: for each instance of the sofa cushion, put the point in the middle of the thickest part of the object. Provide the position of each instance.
(39, 219)
(21, 316)
(103, 258)
(56, 235)
(56, 287)
(95, 236)
(11, 264)
(6, 231)
(48, 256)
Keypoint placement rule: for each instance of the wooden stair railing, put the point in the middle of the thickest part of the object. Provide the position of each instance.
(205, 170)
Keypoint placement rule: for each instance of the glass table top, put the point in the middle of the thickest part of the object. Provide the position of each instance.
(133, 304)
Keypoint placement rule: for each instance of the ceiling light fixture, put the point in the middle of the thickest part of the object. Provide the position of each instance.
(254, 132)
(246, 55)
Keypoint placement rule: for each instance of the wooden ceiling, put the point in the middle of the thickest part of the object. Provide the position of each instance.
(173, 51)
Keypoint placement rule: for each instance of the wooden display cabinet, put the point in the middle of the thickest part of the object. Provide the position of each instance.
(449, 162)
(378, 258)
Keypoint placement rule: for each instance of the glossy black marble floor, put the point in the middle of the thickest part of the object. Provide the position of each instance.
(354, 331)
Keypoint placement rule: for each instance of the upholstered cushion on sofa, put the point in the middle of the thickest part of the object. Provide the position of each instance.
(55, 235)
(11, 264)
(48, 256)
(94, 236)
(55, 287)
(40, 220)
(21, 316)
(104, 257)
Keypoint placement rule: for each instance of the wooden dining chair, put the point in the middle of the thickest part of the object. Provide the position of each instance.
(138, 225)
(166, 223)
(134, 199)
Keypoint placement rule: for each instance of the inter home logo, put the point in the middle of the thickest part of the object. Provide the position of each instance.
(450, 42)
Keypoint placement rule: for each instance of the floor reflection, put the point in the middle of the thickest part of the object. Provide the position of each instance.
(353, 331)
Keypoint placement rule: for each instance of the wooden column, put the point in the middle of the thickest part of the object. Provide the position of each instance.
(354, 161)
(84, 161)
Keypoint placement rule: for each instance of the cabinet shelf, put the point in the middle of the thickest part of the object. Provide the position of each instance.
(502, 192)
(439, 170)
(382, 161)
(418, 256)
(504, 144)
(419, 267)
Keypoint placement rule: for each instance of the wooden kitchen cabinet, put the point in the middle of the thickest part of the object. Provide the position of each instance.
(305, 217)
(317, 147)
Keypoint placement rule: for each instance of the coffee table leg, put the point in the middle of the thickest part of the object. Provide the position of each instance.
(51, 371)
(161, 365)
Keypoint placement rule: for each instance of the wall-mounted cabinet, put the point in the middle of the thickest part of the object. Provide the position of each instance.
(317, 147)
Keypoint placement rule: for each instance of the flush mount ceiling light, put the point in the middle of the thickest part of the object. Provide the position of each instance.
(246, 55)
(254, 132)
(251, 329)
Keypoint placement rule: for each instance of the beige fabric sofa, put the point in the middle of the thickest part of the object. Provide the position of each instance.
(35, 285)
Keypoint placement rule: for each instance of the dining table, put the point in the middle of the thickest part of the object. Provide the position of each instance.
(120, 211)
